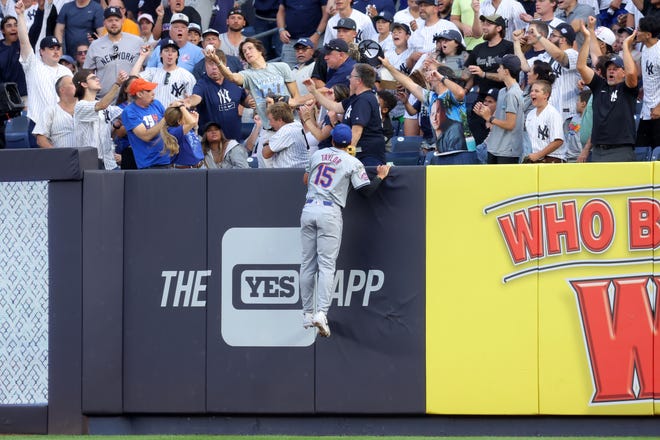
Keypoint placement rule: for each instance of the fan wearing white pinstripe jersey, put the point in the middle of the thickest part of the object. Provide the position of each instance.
(55, 128)
(91, 118)
(174, 83)
(648, 132)
(564, 63)
(287, 147)
(42, 72)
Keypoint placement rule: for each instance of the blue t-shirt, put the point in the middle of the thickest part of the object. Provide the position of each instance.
(339, 75)
(190, 147)
(363, 109)
(149, 153)
(220, 104)
(78, 22)
(121, 143)
(189, 55)
(10, 68)
(302, 16)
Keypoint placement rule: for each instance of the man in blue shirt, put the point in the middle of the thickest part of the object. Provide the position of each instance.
(300, 19)
(361, 112)
(339, 63)
(143, 119)
(218, 99)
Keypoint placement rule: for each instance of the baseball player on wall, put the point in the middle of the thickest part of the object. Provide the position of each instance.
(327, 177)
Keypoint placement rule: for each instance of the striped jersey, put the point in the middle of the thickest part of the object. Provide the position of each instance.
(288, 144)
(173, 85)
(650, 78)
(57, 125)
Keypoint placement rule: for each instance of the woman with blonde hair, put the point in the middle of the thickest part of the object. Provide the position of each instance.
(220, 152)
(181, 141)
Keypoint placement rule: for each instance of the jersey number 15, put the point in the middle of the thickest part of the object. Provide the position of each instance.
(324, 175)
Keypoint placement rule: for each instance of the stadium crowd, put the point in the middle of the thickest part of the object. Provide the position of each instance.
(481, 81)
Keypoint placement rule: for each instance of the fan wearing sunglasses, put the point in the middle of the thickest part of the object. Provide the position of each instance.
(174, 83)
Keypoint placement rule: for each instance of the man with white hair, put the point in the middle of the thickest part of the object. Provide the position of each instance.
(189, 54)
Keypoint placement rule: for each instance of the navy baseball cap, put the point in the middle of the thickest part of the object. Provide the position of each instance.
(342, 135)
(493, 93)
(304, 42)
(112, 11)
(616, 60)
(627, 30)
(510, 62)
(384, 15)
(451, 35)
(566, 31)
(238, 11)
(210, 31)
(49, 41)
(346, 23)
(430, 2)
(336, 44)
(403, 26)
(167, 42)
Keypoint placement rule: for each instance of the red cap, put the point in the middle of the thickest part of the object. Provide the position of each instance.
(140, 85)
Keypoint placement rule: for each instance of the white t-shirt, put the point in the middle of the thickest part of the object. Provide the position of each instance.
(545, 128)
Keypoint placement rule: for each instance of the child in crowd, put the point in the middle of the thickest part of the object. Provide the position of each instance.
(383, 24)
(195, 34)
(181, 141)
(573, 144)
(387, 102)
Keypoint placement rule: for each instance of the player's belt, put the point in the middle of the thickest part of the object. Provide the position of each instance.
(319, 202)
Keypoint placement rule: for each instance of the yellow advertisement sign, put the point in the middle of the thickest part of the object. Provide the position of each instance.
(548, 290)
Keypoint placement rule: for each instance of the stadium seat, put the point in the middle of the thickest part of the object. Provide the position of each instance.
(406, 143)
(403, 157)
(16, 132)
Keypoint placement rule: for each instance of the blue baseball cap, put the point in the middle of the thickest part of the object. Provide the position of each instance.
(304, 42)
(384, 15)
(449, 35)
(167, 42)
(616, 60)
(342, 135)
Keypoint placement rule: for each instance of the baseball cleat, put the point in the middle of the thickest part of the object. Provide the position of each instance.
(321, 322)
(307, 320)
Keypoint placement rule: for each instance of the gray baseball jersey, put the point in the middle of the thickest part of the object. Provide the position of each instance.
(330, 172)
(108, 58)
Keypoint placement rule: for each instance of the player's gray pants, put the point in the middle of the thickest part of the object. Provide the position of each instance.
(321, 228)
